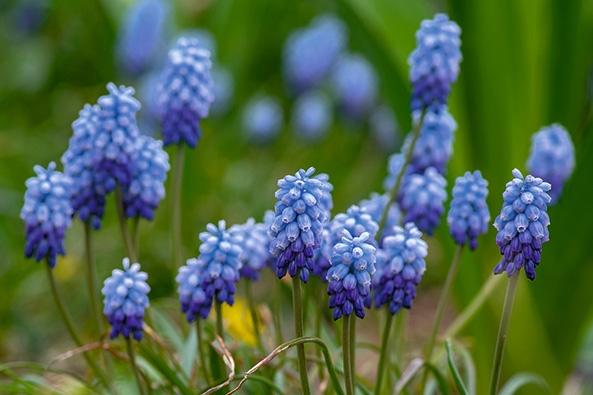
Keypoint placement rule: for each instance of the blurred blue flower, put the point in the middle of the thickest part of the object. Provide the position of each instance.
(394, 166)
(400, 266)
(269, 216)
(263, 118)
(205, 39)
(422, 198)
(47, 213)
(220, 259)
(312, 115)
(434, 64)
(310, 52)
(184, 92)
(298, 226)
(522, 224)
(126, 300)
(224, 90)
(469, 216)
(352, 265)
(193, 299)
(142, 38)
(88, 189)
(29, 16)
(384, 127)
(149, 172)
(355, 85)
(255, 247)
(375, 206)
(552, 158)
(434, 146)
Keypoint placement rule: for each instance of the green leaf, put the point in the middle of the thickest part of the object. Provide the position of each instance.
(414, 368)
(456, 376)
(163, 367)
(469, 367)
(189, 353)
(521, 379)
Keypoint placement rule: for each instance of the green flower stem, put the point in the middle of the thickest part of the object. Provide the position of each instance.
(134, 366)
(400, 176)
(123, 224)
(92, 276)
(219, 326)
(298, 326)
(201, 351)
(352, 344)
(451, 275)
(348, 383)
(502, 331)
(474, 306)
(277, 311)
(254, 318)
(319, 317)
(176, 205)
(70, 326)
(384, 351)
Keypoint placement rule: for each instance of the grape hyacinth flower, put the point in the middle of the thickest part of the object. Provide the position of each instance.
(522, 224)
(352, 265)
(126, 300)
(356, 221)
(143, 35)
(469, 216)
(255, 247)
(422, 199)
(312, 116)
(149, 172)
(220, 258)
(400, 269)
(192, 296)
(47, 213)
(309, 53)
(434, 146)
(375, 206)
(394, 166)
(384, 127)
(552, 158)
(263, 119)
(88, 190)
(298, 226)
(184, 92)
(434, 64)
(205, 38)
(355, 85)
(224, 90)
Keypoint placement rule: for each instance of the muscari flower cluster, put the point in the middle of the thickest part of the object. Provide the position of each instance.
(434, 64)
(312, 115)
(298, 226)
(255, 251)
(184, 92)
(552, 158)
(384, 127)
(375, 206)
(263, 118)
(400, 269)
(355, 85)
(352, 265)
(469, 216)
(321, 255)
(213, 274)
(47, 213)
(522, 224)
(126, 300)
(149, 172)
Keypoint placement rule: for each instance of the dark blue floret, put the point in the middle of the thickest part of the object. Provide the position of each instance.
(47, 213)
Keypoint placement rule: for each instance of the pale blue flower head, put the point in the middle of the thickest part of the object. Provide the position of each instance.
(47, 213)
(193, 298)
(522, 224)
(255, 247)
(355, 85)
(375, 206)
(552, 158)
(312, 116)
(263, 119)
(384, 127)
(126, 300)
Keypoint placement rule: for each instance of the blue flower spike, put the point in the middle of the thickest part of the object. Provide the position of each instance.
(434, 64)
(352, 265)
(298, 226)
(400, 268)
(375, 206)
(263, 119)
(552, 158)
(355, 85)
(192, 296)
(469, 216)
(126, 300)
(185, 92)
(312, 116)
(47, 213)
(255, 247)
(522, 224)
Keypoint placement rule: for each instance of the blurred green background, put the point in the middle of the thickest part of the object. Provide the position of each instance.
(526, 64)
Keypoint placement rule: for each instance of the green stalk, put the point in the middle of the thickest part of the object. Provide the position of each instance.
(298, 326)
(451, 275)
(352, 344)
(253, 311)
(502, 331)
(70, 327)
(277, 311)
(384, 351)
(393, 193)
(346, 342)
(123, 224)
(201, 351)
(176, 205)
(219, 326)
(320, 306)
(134, 366)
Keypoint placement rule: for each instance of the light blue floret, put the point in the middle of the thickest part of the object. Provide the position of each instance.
(263, 119)
(312, 116)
